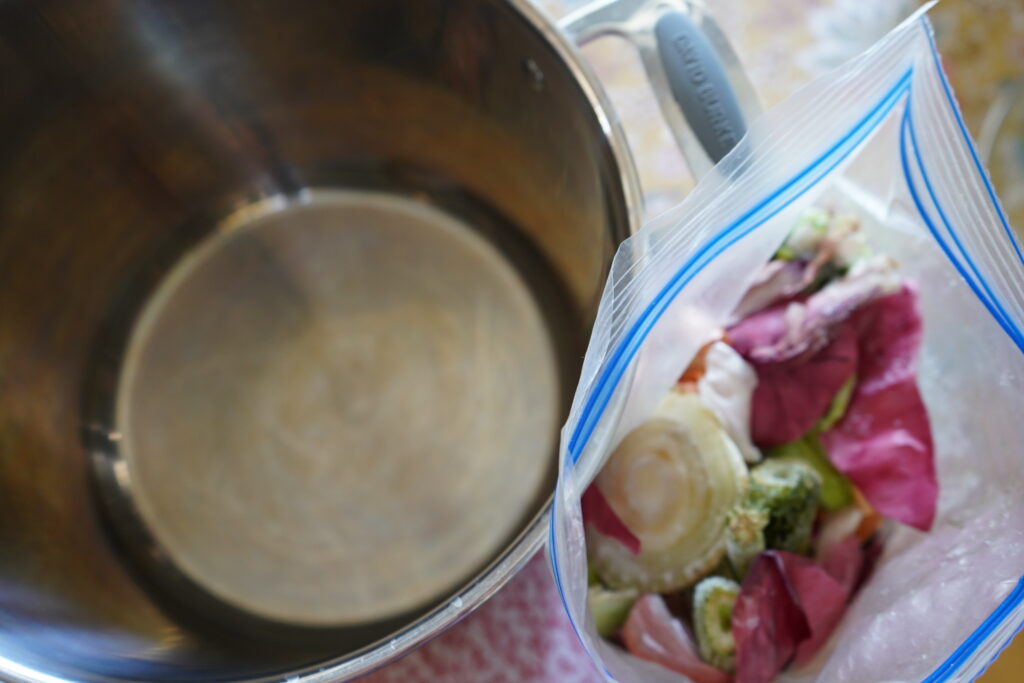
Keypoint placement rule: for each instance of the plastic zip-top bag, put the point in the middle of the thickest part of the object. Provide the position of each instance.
(881, 139)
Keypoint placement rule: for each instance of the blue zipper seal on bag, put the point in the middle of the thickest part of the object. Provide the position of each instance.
(979, 169)
(963, 654)
(980, 287)
(553, 556)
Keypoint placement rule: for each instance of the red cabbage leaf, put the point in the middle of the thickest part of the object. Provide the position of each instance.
(776, 281)
(799, 328)
(822, 598)
(883, 443)
(598, 513)
(844, 561)
(767, 622)
(652, 633)
(792, 395)
(787, 607)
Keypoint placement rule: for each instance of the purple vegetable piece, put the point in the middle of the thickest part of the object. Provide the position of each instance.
(767, 622)
(787, 608)
(796, 328)
(845, 561)
(884, 442)
(598, 513)
(791, 396)
(822, 598)
(652, 633)
(777, 280)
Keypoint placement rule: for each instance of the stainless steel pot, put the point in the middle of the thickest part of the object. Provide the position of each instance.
(292, 302)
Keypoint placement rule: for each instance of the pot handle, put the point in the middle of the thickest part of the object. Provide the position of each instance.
(701, 88)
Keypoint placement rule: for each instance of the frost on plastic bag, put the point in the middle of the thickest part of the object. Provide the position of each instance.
(879, 138)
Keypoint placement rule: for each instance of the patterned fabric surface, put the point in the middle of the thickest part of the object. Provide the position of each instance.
(522, 634)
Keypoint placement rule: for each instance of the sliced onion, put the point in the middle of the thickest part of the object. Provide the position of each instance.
(672, 482)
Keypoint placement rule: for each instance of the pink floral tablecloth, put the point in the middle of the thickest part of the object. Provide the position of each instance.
(521, 635)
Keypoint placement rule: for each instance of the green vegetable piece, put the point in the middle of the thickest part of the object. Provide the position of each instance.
(836, 490)
(789, 490)
(610, 608)
(592, 578)
(744, 539)
(779, 508)
(713, 602)
(785, 253)
(803, 240)
(837, 408)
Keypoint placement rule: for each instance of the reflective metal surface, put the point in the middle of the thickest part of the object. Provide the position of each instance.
(141, 140)
(637, 21)
(336, 410)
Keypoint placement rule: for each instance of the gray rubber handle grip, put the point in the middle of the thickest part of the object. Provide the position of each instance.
(699, 85)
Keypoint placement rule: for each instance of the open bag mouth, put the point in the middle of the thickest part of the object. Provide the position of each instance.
(883, 133)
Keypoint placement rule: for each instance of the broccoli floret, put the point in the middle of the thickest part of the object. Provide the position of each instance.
(610, 608)
(777, 512)
(836, 490)
(713, 602)
(789, 491)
